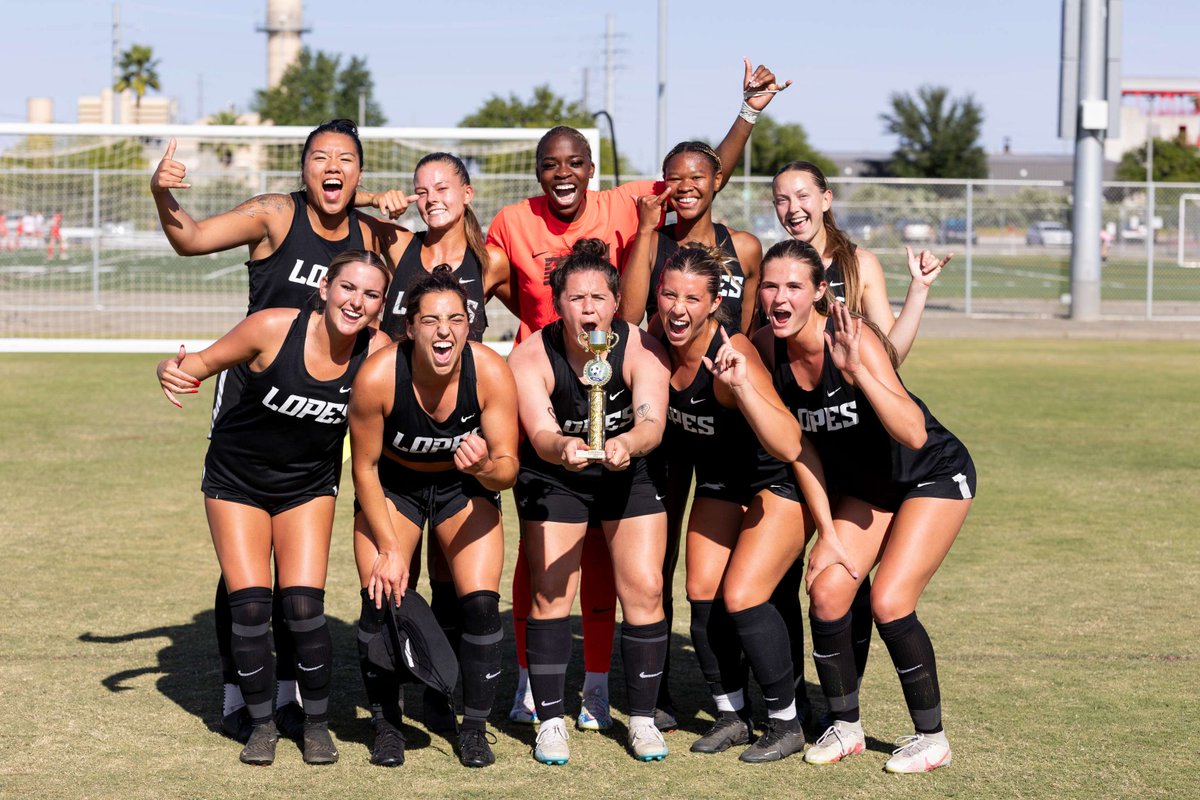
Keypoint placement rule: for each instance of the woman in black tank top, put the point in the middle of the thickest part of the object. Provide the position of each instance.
(840, 380)
(288, 425)
(448, 410)
(560, 489)
(692, 172)
(747, 525)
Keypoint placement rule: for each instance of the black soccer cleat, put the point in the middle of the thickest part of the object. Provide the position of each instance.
(782, 739)
(289, 719)
(664, 718)
(260, 750)
(318, 744)
(474, 748)
(237, 725)
(728, 730)
(388, 750)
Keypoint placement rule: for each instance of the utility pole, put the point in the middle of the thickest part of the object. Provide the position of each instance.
(608, 63)
(662, 80)
(116, 60)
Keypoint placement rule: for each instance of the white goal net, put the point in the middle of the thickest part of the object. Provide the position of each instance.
(82, 256)
(1189, 231)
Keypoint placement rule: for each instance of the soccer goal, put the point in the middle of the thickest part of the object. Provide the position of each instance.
(1189, 231)
(84, 264)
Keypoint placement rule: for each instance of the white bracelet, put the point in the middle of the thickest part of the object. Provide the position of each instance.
(747, 113)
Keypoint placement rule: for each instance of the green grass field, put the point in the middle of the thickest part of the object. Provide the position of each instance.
(1066, 618)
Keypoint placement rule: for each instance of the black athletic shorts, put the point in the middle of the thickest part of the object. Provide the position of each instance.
(432, 497)
(737, 483)
(549, 493)
(953, 478)
(221, 484)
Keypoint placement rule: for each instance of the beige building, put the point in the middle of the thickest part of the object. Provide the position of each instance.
(1170, 107)
(154, 110)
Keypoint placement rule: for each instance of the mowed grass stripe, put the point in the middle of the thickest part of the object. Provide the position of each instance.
(1065, 617)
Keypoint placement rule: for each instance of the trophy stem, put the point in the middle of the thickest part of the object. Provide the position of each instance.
(595, 424)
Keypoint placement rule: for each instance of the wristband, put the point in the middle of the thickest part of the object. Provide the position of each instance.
(747, 113)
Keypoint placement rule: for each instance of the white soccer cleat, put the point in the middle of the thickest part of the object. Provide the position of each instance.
(593, 712)
(839, 740)
(551, 745)
(920, 752)
(523, 711)
(646, 742)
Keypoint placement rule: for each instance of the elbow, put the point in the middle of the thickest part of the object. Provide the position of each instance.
(915, 439)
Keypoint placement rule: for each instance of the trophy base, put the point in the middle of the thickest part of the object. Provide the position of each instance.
(592, 455)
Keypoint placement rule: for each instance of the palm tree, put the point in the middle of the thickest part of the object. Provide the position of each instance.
(939, 135)
(224, 150)
(139, 71)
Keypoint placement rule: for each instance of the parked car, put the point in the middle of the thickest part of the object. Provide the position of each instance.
(859, 225)
(954, 231)
(915, 230)
(1049, 234)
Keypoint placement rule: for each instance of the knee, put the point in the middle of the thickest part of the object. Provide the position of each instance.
(250, 610)
(739, 597)
(643, 597)
(303, 607)
(829, 599)
(480, 612)
(888, 603)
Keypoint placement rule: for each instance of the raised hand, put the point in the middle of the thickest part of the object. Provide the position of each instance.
(729, 364)
(393, 202)
(169, 174)
(759, 85)
(650, 209)
(843, 344)
(925, 267)
(173, 379)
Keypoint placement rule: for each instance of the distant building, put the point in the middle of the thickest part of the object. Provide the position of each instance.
(1169, 106)
(1001, 166)
(153, 110)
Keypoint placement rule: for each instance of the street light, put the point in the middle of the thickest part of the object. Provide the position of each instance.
(612, 133)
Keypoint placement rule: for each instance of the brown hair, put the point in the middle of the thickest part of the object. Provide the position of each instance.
(439, 279)
(711, 263)
(806, 254)
(346, 257)
(837, 244)
(476, 242)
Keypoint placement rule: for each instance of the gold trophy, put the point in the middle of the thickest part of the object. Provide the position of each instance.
(596, 373)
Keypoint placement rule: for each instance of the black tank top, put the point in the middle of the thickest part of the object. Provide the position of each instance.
(410, 269)
(289, 277)
(569, 397)
(731, 285)
(287, 425)
(856, 450)
(409, 433)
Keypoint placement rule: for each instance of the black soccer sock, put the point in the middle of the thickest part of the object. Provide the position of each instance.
(762, 630)
(786, 599)
(670, 562)
(833, 653)
(643, 651)
(444, 602)
(304, 610)
(285, 648)
(718, 650)
(860, 627)
(382, 685)
(250, 611)
(912, 654)
(223, 621)
(479, 655)
(548, 648)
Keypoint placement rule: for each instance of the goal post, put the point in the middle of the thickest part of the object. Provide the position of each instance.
(82, 256)
(1189, 231)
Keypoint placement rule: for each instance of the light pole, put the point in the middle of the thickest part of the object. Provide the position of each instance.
(612, 133)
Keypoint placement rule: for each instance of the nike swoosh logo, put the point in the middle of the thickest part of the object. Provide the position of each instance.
(652, 675)
(545, 703)
(926, 483)
(770, 699)
(310, 669)
(344, 389)
(905, 671)
(823, 655)
(536, 255)
(491, 675)
(712, 486)
(466, 280)
(467, 417)
(659, 496)
(695, 400)
(777, 486)
(615, 395)
(248, 674)
(839, 283)
(835, 391)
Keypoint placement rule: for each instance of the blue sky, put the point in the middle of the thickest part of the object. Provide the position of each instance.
(433, 63)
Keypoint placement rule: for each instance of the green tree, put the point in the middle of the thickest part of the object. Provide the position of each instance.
(1174, 160)
(224, 150)
(939, 135)
(316, 88)
(544, 109)
(139, 72)
(774, 144)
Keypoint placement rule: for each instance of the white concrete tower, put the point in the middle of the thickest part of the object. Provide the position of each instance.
(285, 23)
